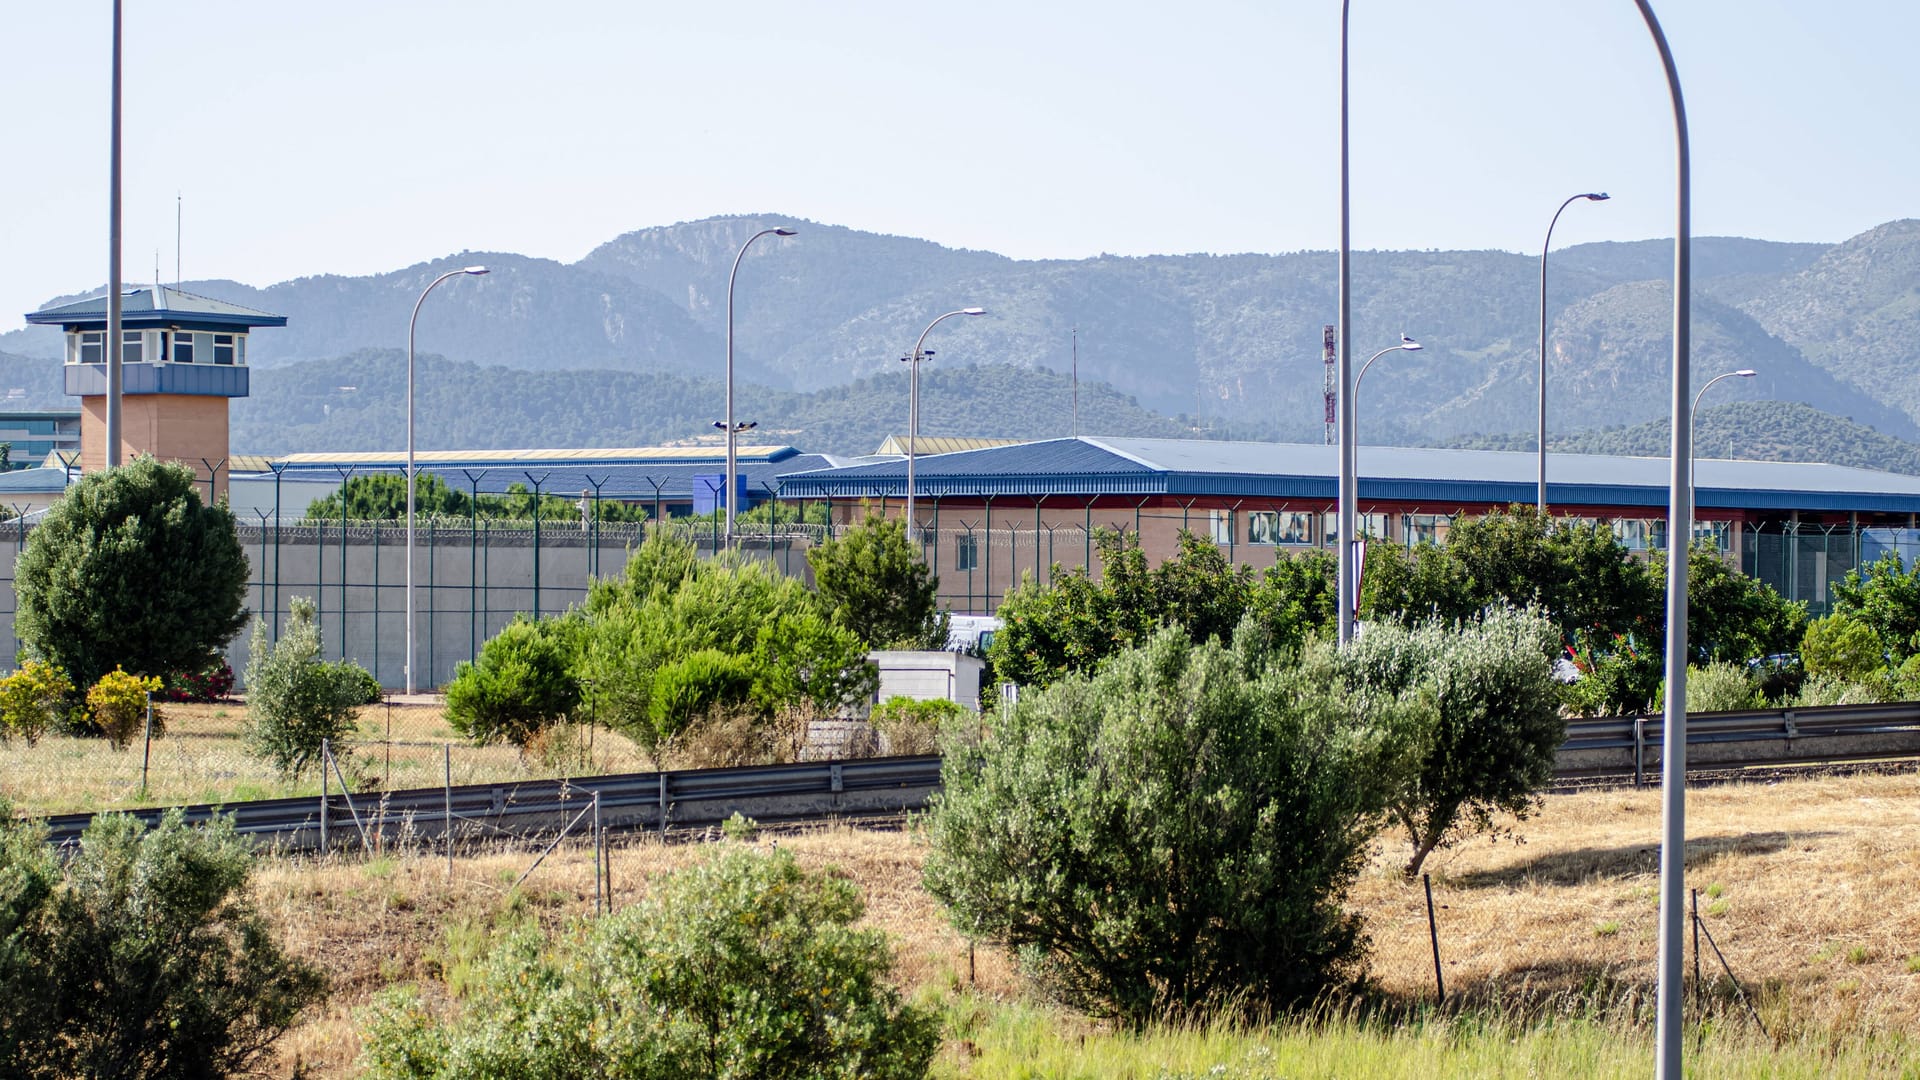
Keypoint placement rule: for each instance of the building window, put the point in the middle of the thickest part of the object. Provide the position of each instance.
(1222, 526)
(93, 348)
(130, 346)
(182, 347)
(966, 553)
(1425, 528)
(1372, 526)
(1717, 533)
(223, 349)
(1279, 527)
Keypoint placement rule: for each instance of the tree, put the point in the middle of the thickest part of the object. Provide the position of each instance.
(140, 958)
(521, 684)
(744, 965)
(1489, 714)
(1173, 833)
(1075, 621)
(1886, 597)
(130, 569)
(295, 700)
(1732, 617)
(875, 582)
(383, 497)
(1844, 647)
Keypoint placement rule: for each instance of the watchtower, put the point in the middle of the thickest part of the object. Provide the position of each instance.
(182, 358)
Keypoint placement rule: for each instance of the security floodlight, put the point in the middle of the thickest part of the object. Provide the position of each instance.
(1596, 196)
(783, 232)
(1409, 344)
(475, 270)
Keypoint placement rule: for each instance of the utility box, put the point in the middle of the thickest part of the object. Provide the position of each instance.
(929, 676)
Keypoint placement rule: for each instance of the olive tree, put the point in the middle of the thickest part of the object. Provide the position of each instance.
(1175, 832)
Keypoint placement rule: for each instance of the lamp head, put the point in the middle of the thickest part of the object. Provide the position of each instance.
(1409, 344)
(973, 311)
(1596, 196)
(749, 425)
(783, 231)
(475, 270)
(720, 424)
(1746, 373)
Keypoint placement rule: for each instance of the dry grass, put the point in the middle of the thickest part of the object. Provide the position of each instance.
(1810, 887)
(202, 759)
(1813, 887)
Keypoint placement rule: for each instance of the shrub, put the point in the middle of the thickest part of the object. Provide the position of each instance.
(728, 738)
(140, 957)
(1842, 647)
(1489, 714)
(744, 965)
(913, 727)
(118, 704)
(33, 699)
(1719, 688)
(357, 684)
(131, 569)
(211, 683)
(295, 700)
(519, 685)
(698, 684)
(1175, 832)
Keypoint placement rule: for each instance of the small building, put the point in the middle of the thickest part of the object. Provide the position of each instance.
(929, 676)
(33, 437)
(183, 357)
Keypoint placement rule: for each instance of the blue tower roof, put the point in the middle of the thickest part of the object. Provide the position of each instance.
(156, 305)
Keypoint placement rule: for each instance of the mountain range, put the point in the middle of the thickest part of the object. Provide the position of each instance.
(630, 339)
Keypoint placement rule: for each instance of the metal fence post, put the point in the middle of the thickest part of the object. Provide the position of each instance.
(1433, 934)
(597, 908)
(146, 749)
(326, 755)
(446, 750)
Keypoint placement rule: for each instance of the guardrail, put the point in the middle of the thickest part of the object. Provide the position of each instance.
(1630, 745)
(811, 791)
(693, 798)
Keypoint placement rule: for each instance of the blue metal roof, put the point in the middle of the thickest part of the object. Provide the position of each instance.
(1126, 466)
(629, 480)
(36, 481)
(156, 305)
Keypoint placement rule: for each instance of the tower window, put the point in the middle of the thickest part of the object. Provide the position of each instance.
(223, 348)
(130, 350)
(93, 348)
(182, 347)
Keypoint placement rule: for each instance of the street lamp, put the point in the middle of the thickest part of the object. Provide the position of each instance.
(732, 431)
(476, 271)
(912, 361)
(1693, 415)
(1349, 491)
(1347, 582)
(1592, 196)
(1673, 741)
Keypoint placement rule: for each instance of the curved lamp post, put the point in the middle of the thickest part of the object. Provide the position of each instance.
(1349, 492)
(411, 322)
(913, 405)
(1592, 196)
(1673, 743)
(733, 430)
(1693, 415)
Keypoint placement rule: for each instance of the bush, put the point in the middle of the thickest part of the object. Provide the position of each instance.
(295, 700)
(32, 700)
(130, 569)
(913, 727)
(743, 966)
(729, 738)
(118, 704)
(875, 582)
(698, 684)
(1489, 717)
(1842, 647)
(1176, 832)
(519, 686)
(357, 684)
(1719, 688)
(140, 957)
(212, 683)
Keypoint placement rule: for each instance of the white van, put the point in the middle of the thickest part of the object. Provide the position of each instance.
(971, 634)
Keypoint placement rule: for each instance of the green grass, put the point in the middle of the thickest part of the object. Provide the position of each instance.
(1018, 1041)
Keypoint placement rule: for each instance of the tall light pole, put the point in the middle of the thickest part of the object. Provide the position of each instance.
(913, 404)
(1673, 744)
(1693, 417)
(475, 270)
(1347, 580)
(729, 489)
(1592, 196)
(114, 344)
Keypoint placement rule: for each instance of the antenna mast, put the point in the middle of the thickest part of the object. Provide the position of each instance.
(176, 239)
(1076, 382)
(1327, 353)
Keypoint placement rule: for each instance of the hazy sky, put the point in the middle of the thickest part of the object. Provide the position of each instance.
(364, 135)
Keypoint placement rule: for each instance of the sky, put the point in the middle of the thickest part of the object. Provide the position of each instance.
(362, 136)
